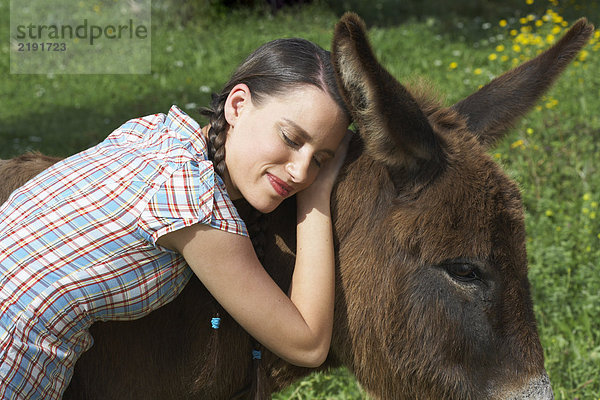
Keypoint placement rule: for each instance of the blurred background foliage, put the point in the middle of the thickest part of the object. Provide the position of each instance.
(393, 12)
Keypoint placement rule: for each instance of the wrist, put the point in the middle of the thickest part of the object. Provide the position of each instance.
(319, 202)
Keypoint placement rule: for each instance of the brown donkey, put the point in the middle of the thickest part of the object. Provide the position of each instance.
(432, 296)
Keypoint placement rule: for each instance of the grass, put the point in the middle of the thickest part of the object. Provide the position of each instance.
(552, 152)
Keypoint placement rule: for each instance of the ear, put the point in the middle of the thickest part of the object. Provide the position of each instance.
(493, 109)
(393, 127)
(238, 98)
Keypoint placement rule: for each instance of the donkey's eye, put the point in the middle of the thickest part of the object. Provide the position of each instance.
(463, 272)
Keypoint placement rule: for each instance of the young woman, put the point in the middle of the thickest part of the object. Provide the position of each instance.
(116, 231)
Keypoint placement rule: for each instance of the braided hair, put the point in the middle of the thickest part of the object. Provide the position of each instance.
(274, 68)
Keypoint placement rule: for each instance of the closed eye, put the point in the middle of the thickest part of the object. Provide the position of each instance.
(291, 143)
(288, 141)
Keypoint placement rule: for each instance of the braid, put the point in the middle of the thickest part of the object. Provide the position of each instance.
(256, 223)
(217, 133)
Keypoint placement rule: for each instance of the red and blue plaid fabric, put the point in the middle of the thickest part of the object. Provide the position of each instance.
(78, 245)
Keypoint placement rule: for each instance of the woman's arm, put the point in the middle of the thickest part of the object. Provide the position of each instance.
(296, 328)
(228, 267)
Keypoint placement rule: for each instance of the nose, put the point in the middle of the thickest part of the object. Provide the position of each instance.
(299, 167)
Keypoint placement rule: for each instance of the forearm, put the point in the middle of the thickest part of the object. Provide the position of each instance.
(313, 281)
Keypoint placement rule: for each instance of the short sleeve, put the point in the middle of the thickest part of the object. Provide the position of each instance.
(191, 194)
(225, 215)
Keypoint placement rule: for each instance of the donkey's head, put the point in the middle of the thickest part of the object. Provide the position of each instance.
(431, 239)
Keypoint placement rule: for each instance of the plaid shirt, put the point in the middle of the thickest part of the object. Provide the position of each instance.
(78, 245)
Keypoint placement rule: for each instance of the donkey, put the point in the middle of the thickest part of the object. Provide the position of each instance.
(432, 295)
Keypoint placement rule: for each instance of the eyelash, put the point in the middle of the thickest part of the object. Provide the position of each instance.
(295, 145)
(289, 141)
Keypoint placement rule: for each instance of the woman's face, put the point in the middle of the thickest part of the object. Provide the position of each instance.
(274, 150)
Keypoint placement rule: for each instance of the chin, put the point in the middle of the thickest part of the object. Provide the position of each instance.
(263, 206)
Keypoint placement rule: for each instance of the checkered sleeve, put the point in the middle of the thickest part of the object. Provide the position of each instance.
(192, 194)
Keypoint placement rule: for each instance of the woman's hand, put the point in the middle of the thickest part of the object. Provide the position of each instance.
(319, 192)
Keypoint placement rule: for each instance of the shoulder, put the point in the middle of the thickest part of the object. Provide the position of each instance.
(171, 136)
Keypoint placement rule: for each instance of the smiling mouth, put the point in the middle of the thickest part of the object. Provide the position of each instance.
(280, 186)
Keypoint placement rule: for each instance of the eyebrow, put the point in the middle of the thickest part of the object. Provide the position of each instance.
(305, 136)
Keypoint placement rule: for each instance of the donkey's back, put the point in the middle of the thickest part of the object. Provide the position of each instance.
(16, 171)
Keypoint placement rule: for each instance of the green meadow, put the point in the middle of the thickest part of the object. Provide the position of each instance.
(553, 153)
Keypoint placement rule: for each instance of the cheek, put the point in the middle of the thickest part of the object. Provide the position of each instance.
(272, 150)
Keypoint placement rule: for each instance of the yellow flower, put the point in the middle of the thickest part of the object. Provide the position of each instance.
(530, 17)
(549, 213)
(504, 57)
(585, 210)
(529, 131)
(599, 236)
(492, 56)
(593, 215)
(453, 65)
(556, 30)
(502, 23)
(497, 156)
(523, 20)
(551, 103)
(477, 71)
(594, 204)
(518, 143)
(539, 23)
(583, 55)
(513, 32)
(550, 38)
(529, 1)
(587, 197)
(516, 48)
(500, 48)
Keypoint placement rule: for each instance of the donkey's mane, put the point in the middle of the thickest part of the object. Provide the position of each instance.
(431, 101)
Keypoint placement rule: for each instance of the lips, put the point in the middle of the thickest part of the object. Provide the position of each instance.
(280, 186)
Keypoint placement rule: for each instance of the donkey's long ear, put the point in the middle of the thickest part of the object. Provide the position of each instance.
(393, 127)
(495, 107)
